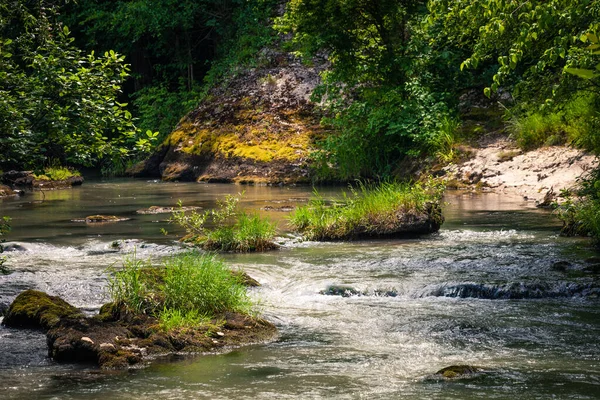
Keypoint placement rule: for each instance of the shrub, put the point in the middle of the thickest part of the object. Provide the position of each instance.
(232, 230)
(581, 216)
(368, 210)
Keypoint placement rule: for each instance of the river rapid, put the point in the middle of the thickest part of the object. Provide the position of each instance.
(496, 288)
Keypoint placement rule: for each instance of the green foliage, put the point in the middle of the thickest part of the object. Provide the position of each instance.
(187, 291)
(368, 210)
(444, 141)
(4, 229)
(56, 101)
(524, 42)
(576, 121)
(171, 320)
(173, 47)
(231, 230)
(377, 96)
(57, 173)
(581, 215)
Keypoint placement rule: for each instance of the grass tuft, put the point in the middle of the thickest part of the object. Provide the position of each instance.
(385, 209)
(232, 230)
(188, 290)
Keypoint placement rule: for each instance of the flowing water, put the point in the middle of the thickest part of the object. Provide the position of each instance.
(495, 288)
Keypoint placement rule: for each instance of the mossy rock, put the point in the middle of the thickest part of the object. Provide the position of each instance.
(458, 371)
(38, 310)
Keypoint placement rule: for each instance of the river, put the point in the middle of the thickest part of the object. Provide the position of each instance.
(485, 291)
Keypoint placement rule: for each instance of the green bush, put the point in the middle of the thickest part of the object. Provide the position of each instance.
(368, 210)
(581, 215)
(232, 230)
(186, 291)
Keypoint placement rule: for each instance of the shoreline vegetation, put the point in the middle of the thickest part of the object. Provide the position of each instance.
(191, 303)
(387, 209)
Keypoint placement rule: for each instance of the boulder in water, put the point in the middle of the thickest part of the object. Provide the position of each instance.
(99, 219)
(38, 310)
(458, 371)
(340, 290)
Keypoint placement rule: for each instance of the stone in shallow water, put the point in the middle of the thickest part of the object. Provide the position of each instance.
(458, 371)
(99, 219)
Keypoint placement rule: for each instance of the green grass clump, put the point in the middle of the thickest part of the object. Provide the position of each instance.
(186, 291)
(231, 230)
(368, 211)
(57, 174)
(576, 122)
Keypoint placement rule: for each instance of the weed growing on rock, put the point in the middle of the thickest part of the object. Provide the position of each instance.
(371, 210)
(186, 291)
(231, 229)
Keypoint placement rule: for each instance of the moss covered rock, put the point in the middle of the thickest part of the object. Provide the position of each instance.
(458, 371)
(38, 310)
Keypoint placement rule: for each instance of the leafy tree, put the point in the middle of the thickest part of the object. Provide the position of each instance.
(527, 43)
(55, 101)
(380, 105)
(172, 45)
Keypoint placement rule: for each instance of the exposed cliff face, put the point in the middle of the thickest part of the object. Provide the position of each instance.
(258, 127)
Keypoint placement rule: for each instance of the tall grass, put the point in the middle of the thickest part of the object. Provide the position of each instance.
(186, 291)
(444, 141)
(367, 210)
(576, 121)
(202, 283)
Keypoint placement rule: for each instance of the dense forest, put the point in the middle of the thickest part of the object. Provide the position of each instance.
(99, 82)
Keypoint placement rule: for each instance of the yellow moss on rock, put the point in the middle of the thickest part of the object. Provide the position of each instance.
(253, 136)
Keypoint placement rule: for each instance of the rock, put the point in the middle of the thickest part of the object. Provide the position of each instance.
(38, 310)
(118, 338)
(561, 266)
(280, 209)
(165, 210)
(549, 199)
(13, 247)
(458, 371)
(6, 191)
(87, 339)
(246, 279)
(340, 290)
(99, 219)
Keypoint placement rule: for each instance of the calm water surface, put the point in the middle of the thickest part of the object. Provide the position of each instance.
(483, 291)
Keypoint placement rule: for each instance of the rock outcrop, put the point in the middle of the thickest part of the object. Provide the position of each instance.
(117, 338)
(256, 128)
